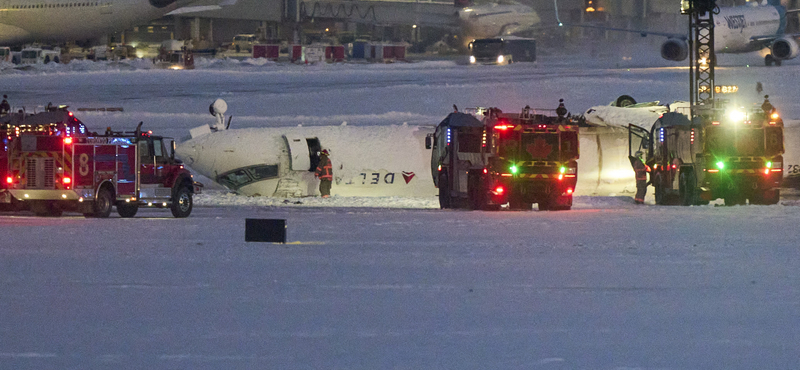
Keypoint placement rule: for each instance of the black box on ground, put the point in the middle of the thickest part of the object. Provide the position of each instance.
(264, 230)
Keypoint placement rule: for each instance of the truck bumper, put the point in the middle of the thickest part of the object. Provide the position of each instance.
(41, 194)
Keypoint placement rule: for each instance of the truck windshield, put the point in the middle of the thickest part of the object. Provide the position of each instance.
(746, 141)
(486, 48)
(531, 147)
(29, 54)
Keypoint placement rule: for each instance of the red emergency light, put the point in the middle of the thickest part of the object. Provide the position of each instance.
(66, 180)
(67, 140)
(503, 127)
(485, 170)
(499, 190)
(9, 179)
(569, 190)
(70, 114)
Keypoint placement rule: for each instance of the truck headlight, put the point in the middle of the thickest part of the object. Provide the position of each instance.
(472, 59)
(500, 59)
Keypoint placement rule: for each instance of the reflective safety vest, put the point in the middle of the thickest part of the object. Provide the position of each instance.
(324, 169)
(641, 170)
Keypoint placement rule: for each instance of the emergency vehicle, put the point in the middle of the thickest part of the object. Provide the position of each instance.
(515, 158)
(722, 153)
(51, 164)
(502, 50)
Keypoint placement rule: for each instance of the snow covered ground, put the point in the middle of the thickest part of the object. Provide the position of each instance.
(394, 283)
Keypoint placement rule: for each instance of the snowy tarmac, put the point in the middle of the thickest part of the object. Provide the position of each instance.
(599, 287)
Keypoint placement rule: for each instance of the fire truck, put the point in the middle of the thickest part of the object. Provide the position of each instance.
(51, 164)
(515, 158)
(724, 153)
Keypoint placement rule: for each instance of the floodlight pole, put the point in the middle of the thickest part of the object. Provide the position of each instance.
(701, 51)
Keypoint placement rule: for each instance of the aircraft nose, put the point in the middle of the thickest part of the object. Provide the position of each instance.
(186, 153)
(161, 3)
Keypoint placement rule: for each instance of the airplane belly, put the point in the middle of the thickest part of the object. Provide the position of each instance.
(12, 34)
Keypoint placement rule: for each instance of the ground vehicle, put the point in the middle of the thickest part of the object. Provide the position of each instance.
(53, 164)
(244, 42)
(515, 158)
(5, 54)
(722, 153)
(37, 55)
(502, 50)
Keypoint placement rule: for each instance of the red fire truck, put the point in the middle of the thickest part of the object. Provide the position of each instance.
(53, 164)
(515, 158)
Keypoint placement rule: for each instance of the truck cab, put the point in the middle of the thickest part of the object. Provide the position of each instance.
(515, 158)
(722, 152)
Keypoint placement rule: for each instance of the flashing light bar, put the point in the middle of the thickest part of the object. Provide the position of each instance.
(715, 123)
(503, 127)
(774, 115)
(776, 169)
(505, 175)
(711, 170)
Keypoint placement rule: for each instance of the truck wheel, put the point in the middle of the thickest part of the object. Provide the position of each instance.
(444, 191)
(624, 101)
(127, 210)
(238, 49)
(686, 189)
(659, 189)
(767, 197)
(182, 203)
(101, 208)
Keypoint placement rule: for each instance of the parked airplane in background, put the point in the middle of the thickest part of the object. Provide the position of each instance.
(24, 21)
(496, 19)
(738, 29)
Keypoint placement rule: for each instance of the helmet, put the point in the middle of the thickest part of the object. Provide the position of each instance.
(325, 152)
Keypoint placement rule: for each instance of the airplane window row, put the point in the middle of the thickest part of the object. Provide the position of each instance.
(66, 5)
(247, 175)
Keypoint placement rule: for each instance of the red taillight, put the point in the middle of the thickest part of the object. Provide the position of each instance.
(569, 190)
(766, 171)
(67, 141)
(67, 180)
(485, 170)
(9, 179)
(499, 190)
(713, 171)
(561, 176)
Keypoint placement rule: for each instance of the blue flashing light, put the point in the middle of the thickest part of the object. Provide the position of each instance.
(448, 136)
(661, 134)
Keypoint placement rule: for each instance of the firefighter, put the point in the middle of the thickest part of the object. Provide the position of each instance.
(641, 170)
(766, 106)
(5, 108)
(324, 173)
(561, 111)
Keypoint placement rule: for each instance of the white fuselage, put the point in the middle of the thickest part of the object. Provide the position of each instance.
(492, 20)
(735, 27)
(370, 161)
(68, 20)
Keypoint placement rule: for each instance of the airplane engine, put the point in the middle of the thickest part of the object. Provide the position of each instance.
(785, 48)
(675, 49)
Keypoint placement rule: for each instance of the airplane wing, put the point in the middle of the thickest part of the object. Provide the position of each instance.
(643, 33)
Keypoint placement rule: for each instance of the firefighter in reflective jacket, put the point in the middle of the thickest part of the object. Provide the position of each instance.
(641, 170)
(324, 173)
